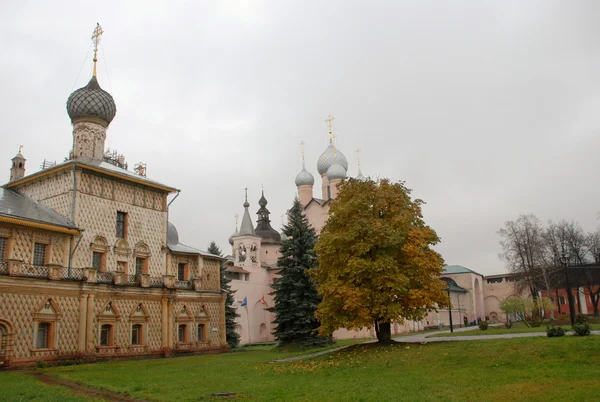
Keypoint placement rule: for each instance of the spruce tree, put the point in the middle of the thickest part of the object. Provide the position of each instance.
(294, 292)
(233, 338)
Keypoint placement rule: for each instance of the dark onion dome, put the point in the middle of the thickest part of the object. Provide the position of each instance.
(91, 103)
(304, 178)
(330, 156)
(263, 226)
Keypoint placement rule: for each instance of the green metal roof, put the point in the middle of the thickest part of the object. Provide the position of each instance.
(459, 269)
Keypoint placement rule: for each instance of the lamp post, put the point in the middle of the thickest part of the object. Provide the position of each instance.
(450, 308)
(564, 261)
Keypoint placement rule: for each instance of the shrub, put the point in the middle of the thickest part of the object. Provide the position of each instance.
(508, 325)
(582, 329)
(41, 364)
(553, 332)
(483, 325)
(535, 322)
(582, 319)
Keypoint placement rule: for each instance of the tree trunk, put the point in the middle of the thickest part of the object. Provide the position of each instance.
(557, 301)
(383, 331)
(594, 298)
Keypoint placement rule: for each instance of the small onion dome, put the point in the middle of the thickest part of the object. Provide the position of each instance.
(91, 103)
(329, 157)
(172, 235)
(231, 237)
(336, 172)
(263, 201)
(304, 178)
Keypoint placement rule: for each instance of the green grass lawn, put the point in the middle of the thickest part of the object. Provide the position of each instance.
(510, 369)
(15, 386)
(517, 328)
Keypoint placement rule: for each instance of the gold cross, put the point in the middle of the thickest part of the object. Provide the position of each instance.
(358, 157)
(96, 39)
(329, 121)
(302, 145)
(20, 148)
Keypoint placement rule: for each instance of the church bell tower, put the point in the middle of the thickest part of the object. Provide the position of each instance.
(17, 169)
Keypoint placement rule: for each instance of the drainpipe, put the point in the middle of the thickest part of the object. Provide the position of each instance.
(168, 205)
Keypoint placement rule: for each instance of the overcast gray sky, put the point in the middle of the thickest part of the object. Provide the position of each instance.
(486, 109)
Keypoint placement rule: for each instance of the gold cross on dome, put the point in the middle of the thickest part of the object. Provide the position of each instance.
(96, 39)
(96, 36)
(329, 121)
(302, 145)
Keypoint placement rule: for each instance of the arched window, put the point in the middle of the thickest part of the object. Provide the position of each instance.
(182, 335)
(106, 335)
(43, 335)
(136, 334)
(201, 334)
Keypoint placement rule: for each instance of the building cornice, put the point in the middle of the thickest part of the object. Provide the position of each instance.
(84, 166)
(38, 225)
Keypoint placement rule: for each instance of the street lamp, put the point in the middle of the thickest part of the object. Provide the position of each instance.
(564, 261)
(450, 308)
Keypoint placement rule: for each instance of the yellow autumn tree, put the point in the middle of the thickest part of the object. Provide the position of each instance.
(376, 265)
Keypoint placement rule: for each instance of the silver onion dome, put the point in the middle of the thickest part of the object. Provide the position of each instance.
(236, 233)
(304, 178)
(330, 156)
(172, 234)
(336, 172)
(91, 103)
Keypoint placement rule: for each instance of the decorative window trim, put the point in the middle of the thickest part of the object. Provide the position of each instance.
(50, 318)
(203, 318)
(189, 317)
(142, 250)
(100, 244)
(122, 248)
(109, 318)
(139, 319)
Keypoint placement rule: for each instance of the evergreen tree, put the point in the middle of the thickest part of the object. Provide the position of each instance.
(233, 338)
(295, 295)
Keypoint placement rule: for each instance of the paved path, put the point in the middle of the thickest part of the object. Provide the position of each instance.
(420, 338)
(310, 356)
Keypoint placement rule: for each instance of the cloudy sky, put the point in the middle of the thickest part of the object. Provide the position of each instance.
(486, 109)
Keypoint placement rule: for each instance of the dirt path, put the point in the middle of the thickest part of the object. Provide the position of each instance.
(81, 389)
